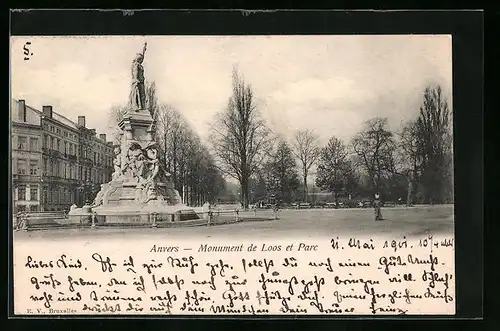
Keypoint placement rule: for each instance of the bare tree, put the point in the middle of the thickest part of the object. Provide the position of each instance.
(170, 135)
(375, 147)
(116, 114)
(408, 157)
(434, 141)
(334, 167)
(240, 136)
(307, 151)
(152, 103)
(283, 179)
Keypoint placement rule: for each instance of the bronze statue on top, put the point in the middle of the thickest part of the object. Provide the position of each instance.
(137, 100)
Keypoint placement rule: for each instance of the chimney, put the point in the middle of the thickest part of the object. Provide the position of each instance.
(81, 121)
(22, 110)
(47, 111)
(103, 137)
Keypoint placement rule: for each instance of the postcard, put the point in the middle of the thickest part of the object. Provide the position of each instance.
(232, 175)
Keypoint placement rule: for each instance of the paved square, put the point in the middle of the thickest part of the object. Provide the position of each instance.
(401, 221)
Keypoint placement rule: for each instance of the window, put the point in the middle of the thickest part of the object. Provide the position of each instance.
(34, 194)
(58, 144)
(33, 144)
(21, 192)
(71, 149)
(65, 133)
(65, 147)
(33, 167)
(21, 143)
(45, 169)
(22, 167)
(45, 141)
(58, 131)
(51, 128)
(52, 142)
(44, 195)
(71, 171)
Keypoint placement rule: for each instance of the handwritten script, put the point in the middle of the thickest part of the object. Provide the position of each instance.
(332, 276)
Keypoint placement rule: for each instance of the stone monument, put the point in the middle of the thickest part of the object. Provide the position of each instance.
(139, 186)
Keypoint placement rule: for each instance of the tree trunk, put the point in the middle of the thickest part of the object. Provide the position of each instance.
(244, 193)
(410, 193)
(305, 188)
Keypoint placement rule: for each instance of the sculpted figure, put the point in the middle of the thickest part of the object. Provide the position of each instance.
(138, 93)
(98, 198)
(150, 191)
(139, 165)
(117, 164)
(153, 164)
(134, 161)
(126, 164)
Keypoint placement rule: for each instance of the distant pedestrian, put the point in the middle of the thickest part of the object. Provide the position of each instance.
(377, 204)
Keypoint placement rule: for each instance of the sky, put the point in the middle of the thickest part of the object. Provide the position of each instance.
(328, 84)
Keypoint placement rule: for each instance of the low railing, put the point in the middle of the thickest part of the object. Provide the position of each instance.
(235, 215)
(30, 221)
(23, 220)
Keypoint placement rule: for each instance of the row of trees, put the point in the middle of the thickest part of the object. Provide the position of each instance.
(181, 152)
(415, 163)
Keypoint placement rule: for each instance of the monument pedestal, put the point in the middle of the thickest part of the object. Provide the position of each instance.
(137, 125)
(140, 192)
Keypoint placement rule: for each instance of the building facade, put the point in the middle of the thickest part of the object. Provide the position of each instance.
(55, 161)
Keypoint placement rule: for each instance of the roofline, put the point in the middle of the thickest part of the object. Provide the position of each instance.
(75, 123)
(60, 123)
(33, 126)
